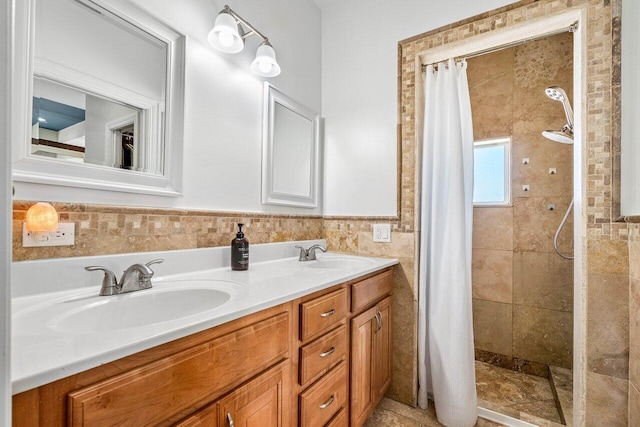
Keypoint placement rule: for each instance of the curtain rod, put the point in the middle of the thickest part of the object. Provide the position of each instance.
(572, 28)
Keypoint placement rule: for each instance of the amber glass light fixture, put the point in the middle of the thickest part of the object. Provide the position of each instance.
(42, 217)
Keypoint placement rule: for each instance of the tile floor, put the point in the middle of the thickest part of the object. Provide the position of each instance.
(516, 394)
(393, 414)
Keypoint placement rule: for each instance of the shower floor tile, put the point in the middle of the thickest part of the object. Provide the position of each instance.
(516, 394)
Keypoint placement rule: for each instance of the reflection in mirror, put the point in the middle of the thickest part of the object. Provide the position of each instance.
(290, 152)
(71, 125)
(100, 90)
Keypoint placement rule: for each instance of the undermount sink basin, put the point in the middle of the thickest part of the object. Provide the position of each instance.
(163, 303)
(339, 263)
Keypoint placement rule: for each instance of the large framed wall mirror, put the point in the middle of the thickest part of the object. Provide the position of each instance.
(99, 86)
(291, 145)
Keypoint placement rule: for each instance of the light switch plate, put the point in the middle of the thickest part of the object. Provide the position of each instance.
(63, 236)
(382, 233)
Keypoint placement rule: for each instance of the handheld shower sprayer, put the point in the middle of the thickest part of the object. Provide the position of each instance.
(565, 134)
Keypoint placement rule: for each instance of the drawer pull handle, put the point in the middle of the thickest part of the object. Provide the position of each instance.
(328, 402)
(328, 313)
(328, 352)
(230, 420)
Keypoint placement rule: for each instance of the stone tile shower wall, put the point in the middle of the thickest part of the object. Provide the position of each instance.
(605, 375)
(523, 291)
(102, 230)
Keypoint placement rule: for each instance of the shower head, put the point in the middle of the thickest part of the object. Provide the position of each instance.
(558, 94)
(558, 136)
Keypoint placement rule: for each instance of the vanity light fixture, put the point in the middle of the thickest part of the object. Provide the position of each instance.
(228, 36)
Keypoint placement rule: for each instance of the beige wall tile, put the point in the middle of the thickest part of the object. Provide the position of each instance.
(491, 90)
(542, 335)
(634, 331)
(405, 308)
(544, 280)
(534, 225)
(492, 275)
(634, 259)
(608, 257)
(634, 406)
(492, 326)
(493, 228)
(542, 154)
(341, 241)
(607, 399)
(401, 245)
(608, 325)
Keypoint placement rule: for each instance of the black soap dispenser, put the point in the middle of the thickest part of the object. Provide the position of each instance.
(240, 251)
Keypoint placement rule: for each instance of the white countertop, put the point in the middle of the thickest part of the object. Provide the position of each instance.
(42, 352)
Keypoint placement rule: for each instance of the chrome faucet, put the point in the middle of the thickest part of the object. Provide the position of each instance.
(309, 254)
(135, 278)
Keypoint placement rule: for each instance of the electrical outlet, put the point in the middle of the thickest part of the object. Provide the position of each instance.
(63, 236)
(382, 233)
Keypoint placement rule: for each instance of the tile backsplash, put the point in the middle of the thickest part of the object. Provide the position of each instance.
(102, 230)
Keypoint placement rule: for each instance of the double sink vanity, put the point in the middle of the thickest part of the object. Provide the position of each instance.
(288, 342)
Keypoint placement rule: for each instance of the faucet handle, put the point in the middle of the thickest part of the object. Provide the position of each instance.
(109, 282)
(155, 261)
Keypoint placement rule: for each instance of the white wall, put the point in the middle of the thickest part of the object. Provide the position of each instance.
(223, 104)
(359, 93)
(6, 40)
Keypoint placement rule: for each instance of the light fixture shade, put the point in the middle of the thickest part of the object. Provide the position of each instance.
(265, 64)
(225, 35)
(42, 217)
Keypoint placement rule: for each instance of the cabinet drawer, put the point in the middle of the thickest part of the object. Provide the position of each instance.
(323, 400)
(321, 313)
(154, 392)
(370, 290)
(319, 356)
(340, 420)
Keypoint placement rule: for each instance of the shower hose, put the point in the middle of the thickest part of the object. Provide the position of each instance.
(555, 238)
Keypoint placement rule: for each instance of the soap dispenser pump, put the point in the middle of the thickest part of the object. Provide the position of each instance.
(240, 251)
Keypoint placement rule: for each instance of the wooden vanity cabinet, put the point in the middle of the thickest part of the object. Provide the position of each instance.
(165, 384)
(353, 349)
(371, 347)
(261, 402)
(321, 360)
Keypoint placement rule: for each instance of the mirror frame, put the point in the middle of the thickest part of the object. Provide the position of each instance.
(269, 196)
(31, 169)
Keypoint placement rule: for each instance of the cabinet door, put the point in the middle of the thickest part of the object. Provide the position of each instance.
(262, 402)
(382, 350)
(362, 364)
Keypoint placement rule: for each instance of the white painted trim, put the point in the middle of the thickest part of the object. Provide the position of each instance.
(502, 419)
(113, 149)
(526, 31)
(269, 196)
(6, 48)
(54, 172)
(630, 147)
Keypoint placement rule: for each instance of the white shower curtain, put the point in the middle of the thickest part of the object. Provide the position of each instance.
(445, 323)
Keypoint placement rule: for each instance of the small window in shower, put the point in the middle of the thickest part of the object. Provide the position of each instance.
(491, 172)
